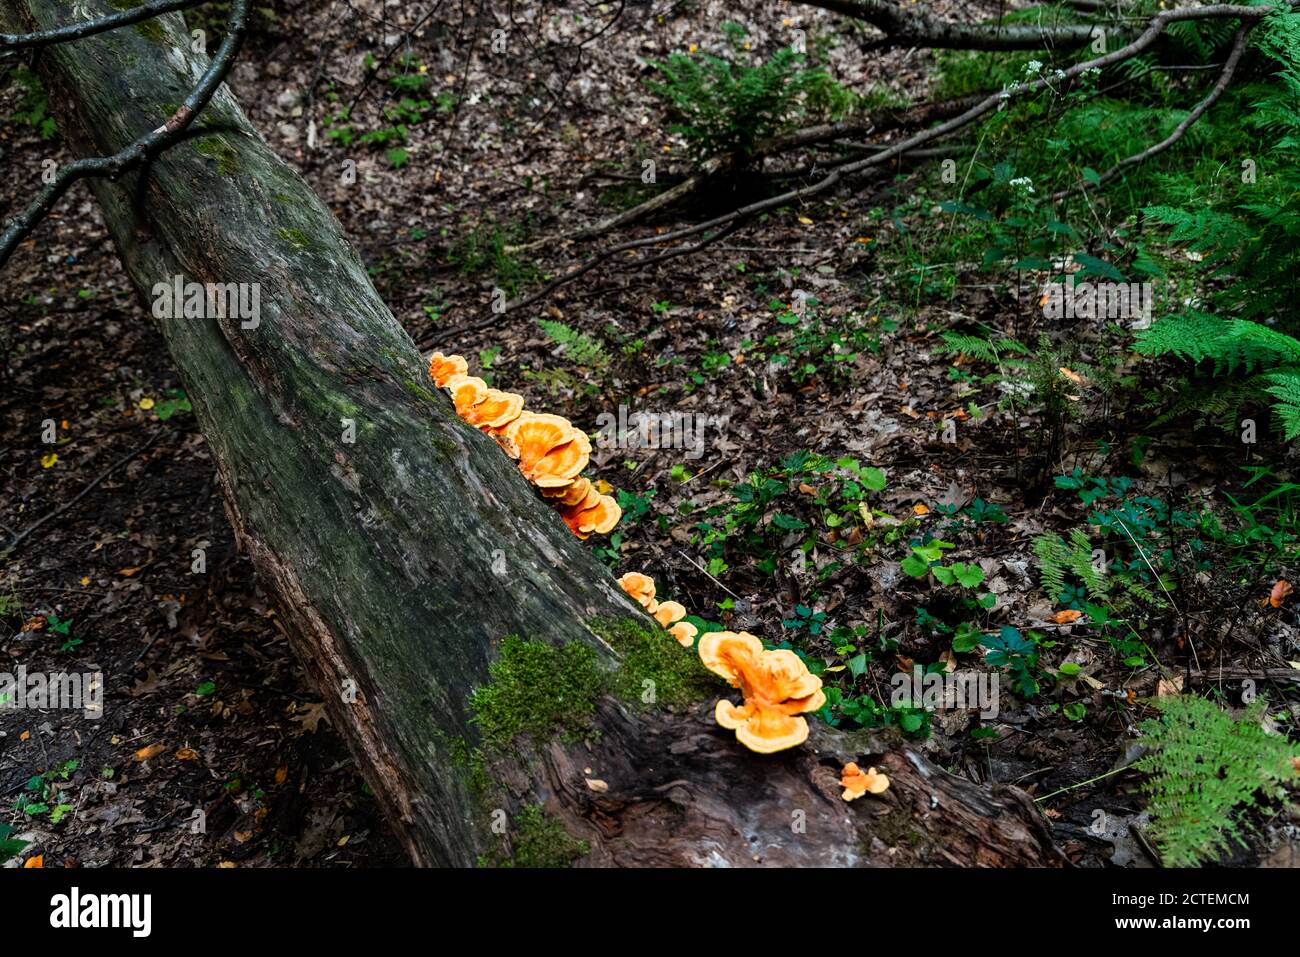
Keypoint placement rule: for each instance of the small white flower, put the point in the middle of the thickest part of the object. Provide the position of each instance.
(1033, 67)
(1025, 183)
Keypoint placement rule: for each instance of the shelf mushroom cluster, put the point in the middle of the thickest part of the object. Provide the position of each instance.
(778, 689)
(550, 451)
(669, 614)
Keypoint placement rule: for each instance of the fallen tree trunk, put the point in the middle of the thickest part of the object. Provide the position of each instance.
(402, 546)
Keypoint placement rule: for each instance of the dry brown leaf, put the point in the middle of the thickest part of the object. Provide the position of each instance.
(310, 716)
(281, 773)
(144, 754)
(187, 754)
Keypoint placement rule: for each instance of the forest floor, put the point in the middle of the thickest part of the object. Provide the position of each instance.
(797, 339)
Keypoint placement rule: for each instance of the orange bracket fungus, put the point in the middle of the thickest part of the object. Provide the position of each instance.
(595, 513)
(857, 782)
(684, 632)
(669, 613)
(442, 368)
(563, 496)
(641, 588)
(466, 391)
(777, 688)
(495, 410)
(551, 453)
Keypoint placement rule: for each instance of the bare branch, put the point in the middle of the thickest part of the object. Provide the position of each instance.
(77, 31)
(914, 27)
(1229, 68)
(144, 149)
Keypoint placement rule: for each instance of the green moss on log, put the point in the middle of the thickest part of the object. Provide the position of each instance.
(151, 30)
(296, 238)
(538, 841)
(545, 691)
(214, 147)
(540, 690)
(655, 669)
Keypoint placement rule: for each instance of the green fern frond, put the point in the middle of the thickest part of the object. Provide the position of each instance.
(578, 347)
(1204, 766)
(1285, 387)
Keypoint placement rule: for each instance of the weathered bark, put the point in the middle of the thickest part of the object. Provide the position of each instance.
(381, 552)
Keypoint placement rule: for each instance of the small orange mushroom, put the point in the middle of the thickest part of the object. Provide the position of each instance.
(857, 782)
(640, 587)
(467, 391)
(442, 368)
(563, 496)
(560, 466)
(596, 513)
(533, 435)
(669, 612)
(777, 687)
(495, 410)
(684, 632)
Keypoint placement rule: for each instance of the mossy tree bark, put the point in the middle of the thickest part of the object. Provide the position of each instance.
(400, 558)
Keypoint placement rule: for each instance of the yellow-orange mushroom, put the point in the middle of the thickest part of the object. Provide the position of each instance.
(684, 632)
(563, 496)
(559, 467)
(532, 435)
(596, 513)
(857, 782)
(640, 587)
(467, 391)
(495, 410)
(442, 368)
(669, 612)
(777, 688)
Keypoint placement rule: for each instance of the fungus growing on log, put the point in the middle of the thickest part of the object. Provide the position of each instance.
(496, 410)
(551, 453)
(777, 687)
(442, 368)
(533, 435)
(596, 513)
(684, 632)
(669, 613)
(574, 493)
(857, 782)
(467, 391)
(560, 466)
(641, 588)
